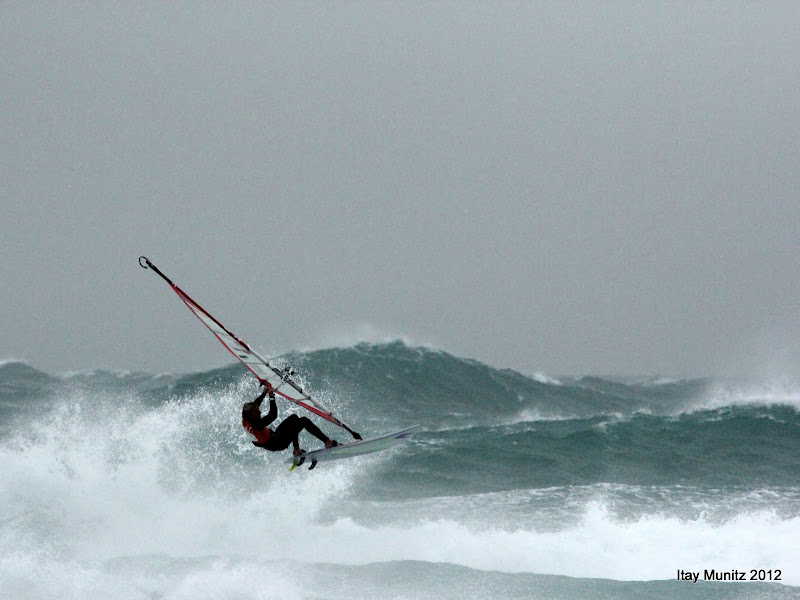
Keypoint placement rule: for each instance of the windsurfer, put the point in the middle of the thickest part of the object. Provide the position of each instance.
(288, 432)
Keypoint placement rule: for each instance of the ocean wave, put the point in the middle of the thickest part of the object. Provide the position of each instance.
(772, 393)
(113, 472)
(393, 377)
(211, 577)
(7, 361)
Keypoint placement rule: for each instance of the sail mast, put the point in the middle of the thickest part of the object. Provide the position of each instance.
(261, 368)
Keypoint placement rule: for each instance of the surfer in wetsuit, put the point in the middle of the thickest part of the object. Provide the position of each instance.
(288, 432)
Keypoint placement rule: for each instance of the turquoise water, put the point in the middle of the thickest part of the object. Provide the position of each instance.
(132, 485)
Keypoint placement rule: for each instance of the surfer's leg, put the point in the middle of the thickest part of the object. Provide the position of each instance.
(309, 426)
(287, 433)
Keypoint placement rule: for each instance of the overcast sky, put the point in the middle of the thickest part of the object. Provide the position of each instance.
(607, 188)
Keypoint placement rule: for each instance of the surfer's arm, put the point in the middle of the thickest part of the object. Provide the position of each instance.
(261, 397)
(273, 411)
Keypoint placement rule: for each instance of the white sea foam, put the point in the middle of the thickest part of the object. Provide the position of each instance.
(596, 547)
(774, 393)
(544, 378)
(94, 487)
(350, 335)
(532, 415)
(11, 361)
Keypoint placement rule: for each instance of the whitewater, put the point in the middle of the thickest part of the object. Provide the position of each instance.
(139, 486)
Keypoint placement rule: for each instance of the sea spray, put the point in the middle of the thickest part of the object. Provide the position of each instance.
(119, 485)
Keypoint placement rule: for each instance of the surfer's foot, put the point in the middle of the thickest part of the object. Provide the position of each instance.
(331, 443)
(298, 451)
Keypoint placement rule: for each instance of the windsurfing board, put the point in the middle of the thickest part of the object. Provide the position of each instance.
(375, 444)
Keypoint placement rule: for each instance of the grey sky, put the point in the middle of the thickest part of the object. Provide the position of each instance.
(568, 188)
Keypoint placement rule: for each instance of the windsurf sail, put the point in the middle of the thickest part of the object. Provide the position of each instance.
(279, 379)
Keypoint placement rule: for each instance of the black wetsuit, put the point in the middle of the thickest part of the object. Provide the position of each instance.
(285, 434)
(288, 432)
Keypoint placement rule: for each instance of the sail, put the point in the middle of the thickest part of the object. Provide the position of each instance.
(279, 379)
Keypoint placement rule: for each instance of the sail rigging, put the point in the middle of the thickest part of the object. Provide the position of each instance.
(279, 379)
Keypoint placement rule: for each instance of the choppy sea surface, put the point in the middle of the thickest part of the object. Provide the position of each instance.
(140, 486)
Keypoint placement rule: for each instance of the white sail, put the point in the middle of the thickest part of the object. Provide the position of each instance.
(279, 379)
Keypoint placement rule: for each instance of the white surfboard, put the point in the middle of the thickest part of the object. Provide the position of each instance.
(353, 449)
